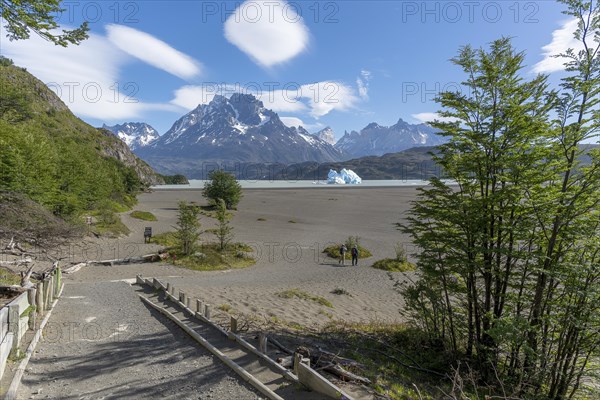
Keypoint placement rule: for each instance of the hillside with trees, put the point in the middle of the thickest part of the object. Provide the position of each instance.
(53, 158)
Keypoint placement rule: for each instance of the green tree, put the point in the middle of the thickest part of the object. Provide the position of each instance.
(224, 231)
(509, 271)
(188, 227)
(222, 185)
(21, 17)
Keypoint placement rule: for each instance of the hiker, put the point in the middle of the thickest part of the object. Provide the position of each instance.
(354, 253)
(343, 251)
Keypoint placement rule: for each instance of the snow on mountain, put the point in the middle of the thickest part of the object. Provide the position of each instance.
(134, 134)
(327, 135)
(377, 140)
(238, 129)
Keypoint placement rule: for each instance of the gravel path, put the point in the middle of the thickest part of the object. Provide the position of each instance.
(102, 342)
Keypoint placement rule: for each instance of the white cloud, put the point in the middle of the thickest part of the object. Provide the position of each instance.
(326, 96)
(282, 100)
(295, 122)
(153, 51)
(362, 82)
(269, 32)
(190, 96)
(318, 99)
(292, 121)
(86, 77)
(427, 117)
(562, 39)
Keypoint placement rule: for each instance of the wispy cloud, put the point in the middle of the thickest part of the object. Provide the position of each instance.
(317, 99)
(427, 117)
(292, 121)
(326, 96)
(562, 39)
(153, 51)
(269, 32)
(362, 82)
(295, 122)
(85, 77)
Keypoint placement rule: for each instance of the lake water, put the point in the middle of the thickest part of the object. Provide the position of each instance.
(267, 184)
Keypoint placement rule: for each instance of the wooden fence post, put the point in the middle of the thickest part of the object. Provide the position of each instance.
(39, 298)
(14, 325)
(262, 343)
(31, 297)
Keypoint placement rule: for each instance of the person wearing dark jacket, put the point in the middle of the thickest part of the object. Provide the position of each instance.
(354, 253)
(343, 251)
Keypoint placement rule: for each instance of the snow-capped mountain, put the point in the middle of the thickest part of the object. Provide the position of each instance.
(134, 134)
(327, 135)
(377, 140)
(239, 129)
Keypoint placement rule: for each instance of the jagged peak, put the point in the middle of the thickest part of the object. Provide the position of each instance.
(373, 125)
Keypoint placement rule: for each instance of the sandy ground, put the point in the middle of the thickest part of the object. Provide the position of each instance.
(104, 343)
(289, 254)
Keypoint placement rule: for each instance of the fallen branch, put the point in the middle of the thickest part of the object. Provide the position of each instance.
(327, 361)
(74, 268)
(281, 347)
(23, 261)
(345, 375)
(131, 260)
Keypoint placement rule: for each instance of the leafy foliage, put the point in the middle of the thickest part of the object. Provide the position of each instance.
(188, 227)
(177, 179)
(21, 17)
(143, 215)
(509, 257)
(393, 265)
(224, 231)
(222, 185)
(52, 157)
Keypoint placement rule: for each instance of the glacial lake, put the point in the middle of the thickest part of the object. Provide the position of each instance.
(196, 184)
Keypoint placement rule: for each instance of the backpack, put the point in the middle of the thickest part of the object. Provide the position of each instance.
(354, 251)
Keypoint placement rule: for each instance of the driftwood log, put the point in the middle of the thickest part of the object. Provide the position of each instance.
(130, 260)
(26, 278)
(117, 261)
(326, 361)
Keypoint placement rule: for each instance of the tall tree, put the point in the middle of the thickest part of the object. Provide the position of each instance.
(188, 227)
(224, 230)
(509, 271)
(21, 17)
(561, 321)
(222, 185)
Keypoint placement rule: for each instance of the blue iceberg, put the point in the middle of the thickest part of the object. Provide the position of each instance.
(344, 177)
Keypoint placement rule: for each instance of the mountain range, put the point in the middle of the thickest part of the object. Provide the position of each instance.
(240, 130)
(134, 134)
(235, 130)
(376, 140)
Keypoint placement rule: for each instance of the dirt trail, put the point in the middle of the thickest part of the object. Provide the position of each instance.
(102, 342)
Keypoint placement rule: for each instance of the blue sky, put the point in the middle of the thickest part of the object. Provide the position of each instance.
(339, 64)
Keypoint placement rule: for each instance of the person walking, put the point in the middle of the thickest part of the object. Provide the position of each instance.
(343, 250)
(354, 253)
